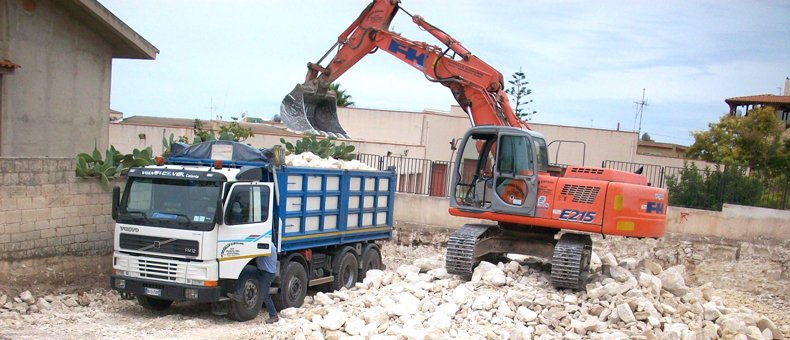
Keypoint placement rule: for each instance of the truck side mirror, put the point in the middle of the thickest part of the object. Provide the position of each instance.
(219, 215)
(116, 199)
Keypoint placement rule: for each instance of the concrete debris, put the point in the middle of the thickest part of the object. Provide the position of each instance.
(310, 160)
(27, 297)
(417, 299)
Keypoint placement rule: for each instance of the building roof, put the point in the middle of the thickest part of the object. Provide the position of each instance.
(267, 128)
(758, 99)
(658, 145)
(126, 43)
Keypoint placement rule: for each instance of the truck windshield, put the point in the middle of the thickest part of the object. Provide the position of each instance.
(170, 203)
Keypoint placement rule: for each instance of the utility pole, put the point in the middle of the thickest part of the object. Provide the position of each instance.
(640, 109)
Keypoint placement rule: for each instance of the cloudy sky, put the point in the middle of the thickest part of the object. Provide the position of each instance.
(587, 62)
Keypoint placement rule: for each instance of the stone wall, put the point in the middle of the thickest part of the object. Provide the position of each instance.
(46, 211)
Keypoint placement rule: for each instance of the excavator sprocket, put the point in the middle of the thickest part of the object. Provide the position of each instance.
(460, 256)
(570, 263)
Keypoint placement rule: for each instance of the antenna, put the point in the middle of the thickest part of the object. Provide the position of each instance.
(211, 109)
(640, 109)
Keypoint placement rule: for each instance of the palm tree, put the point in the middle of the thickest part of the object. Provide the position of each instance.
(343, 99)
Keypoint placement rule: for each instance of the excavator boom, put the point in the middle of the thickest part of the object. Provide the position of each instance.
(476, 86)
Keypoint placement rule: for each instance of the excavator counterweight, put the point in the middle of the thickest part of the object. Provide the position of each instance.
(308, 109)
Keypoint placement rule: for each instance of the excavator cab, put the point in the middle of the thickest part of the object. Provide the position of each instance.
(311, 109)
(497, 170)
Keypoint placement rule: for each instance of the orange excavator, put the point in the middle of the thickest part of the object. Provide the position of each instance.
(502, 172)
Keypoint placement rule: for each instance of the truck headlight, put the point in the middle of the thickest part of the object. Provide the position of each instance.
(191, 294)
(120, 283)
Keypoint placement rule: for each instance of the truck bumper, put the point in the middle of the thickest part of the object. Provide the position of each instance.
(163, 290)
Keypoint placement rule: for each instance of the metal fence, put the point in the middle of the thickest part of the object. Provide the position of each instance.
(711, 188)
(414, 175)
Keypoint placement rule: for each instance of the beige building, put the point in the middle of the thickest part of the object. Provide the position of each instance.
(55, 74)
(415, 141)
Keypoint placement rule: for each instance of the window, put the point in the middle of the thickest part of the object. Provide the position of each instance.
(515, 156)
(248, 204)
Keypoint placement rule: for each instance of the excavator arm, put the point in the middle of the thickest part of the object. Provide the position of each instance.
(476, 86)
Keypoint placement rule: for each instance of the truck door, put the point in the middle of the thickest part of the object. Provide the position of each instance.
(246, 231)
(515, 185)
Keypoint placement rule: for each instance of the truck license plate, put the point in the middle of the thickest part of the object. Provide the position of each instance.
(153, 291)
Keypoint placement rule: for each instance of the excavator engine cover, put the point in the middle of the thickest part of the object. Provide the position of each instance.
(308, 110)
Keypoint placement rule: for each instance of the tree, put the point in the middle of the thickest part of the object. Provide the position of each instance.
(709, 189)
(518, 92)
(343, 98)
(756, 140)
(646, 138)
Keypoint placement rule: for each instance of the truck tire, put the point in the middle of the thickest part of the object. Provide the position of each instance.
(371, 259)
(293, 287)
(248, 292)
(151, 303)
(345, 271)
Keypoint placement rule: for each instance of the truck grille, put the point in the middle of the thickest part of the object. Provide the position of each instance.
(581, 193)
(158, 269)
(159, 244)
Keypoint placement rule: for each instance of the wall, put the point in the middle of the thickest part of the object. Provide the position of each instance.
(46, 211)
(733, 222)
(126, 137)
(58, 103)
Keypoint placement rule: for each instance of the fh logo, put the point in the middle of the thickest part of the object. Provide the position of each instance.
(408, 52)
(654, 207)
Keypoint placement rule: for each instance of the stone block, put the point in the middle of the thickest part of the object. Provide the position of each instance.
(47, 233)
(86, 220)
(14, 216)
(67, 240)
(17, 237)
(39, 201)
(62, 231)
(27, 227)
(7, 204)
(53, 242)
(80, 238)
(5, 238)
(33, 191)
(11, 228)
(42, 214)
(72, 211)
(76, 230)
(57, 212)
(24, 203)
(41, 225)
(10, 179)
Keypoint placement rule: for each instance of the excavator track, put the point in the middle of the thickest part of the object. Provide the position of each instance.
(570, 263)
(460, 256)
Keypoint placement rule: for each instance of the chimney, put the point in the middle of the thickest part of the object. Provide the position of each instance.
(787, 86)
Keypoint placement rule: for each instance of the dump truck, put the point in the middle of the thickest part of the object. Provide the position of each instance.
(191, 227)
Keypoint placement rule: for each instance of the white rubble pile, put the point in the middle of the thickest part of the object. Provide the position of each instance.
(417, 299)
(310, 160)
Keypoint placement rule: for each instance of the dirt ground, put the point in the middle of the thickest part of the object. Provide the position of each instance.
(754, 275)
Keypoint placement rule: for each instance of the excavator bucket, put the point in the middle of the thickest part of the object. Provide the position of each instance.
(307, 110)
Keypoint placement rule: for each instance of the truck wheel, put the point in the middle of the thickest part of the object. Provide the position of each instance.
(346, 271)
(153, 303)
(293, 287)
(248, 300)
(371, 259)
